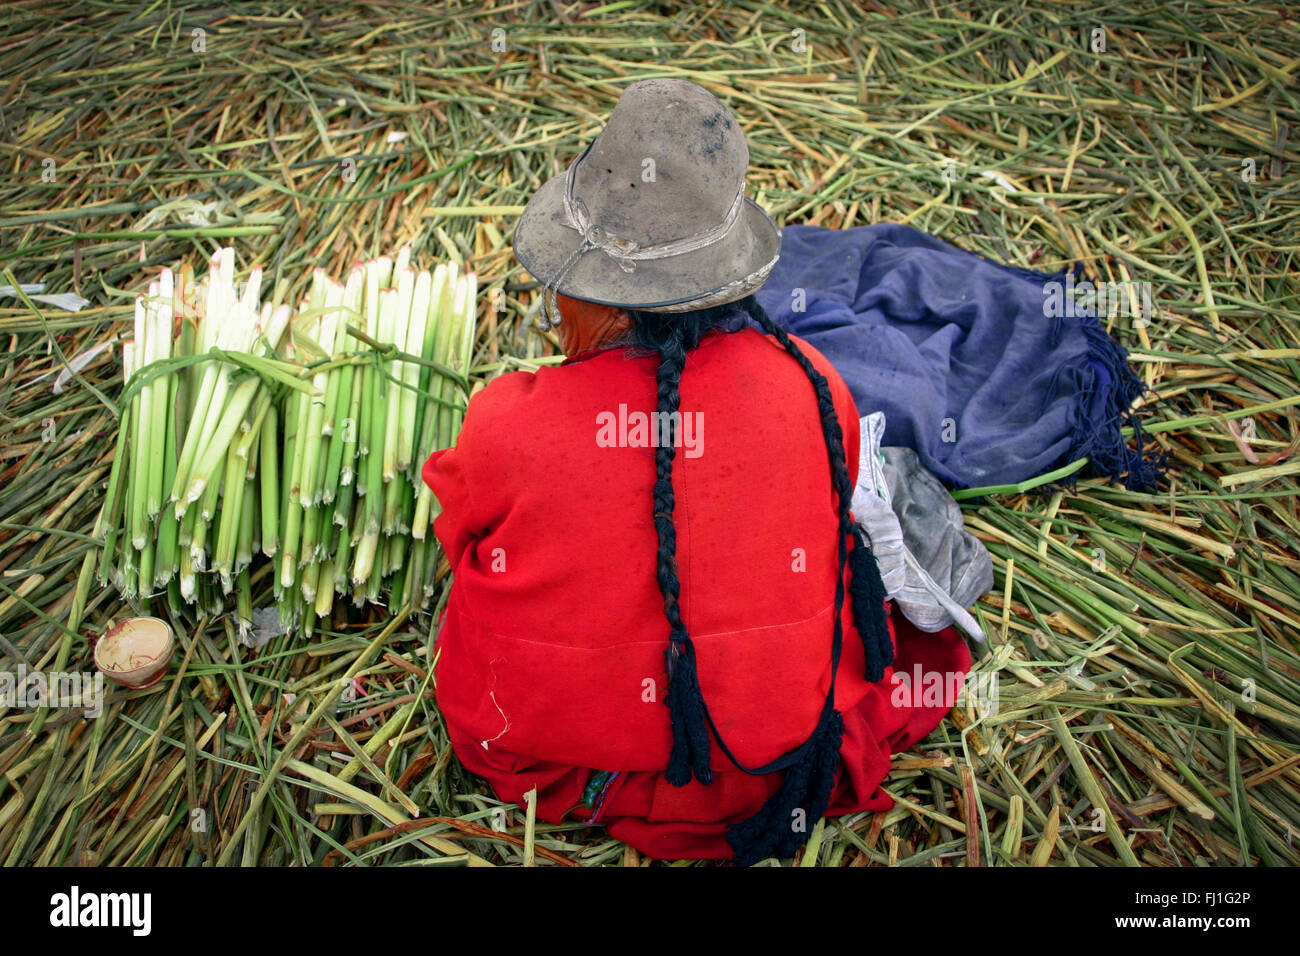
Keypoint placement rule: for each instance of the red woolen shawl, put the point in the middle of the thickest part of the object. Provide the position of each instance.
(552, 646)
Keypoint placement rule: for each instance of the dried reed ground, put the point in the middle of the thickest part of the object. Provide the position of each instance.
(1145, 645)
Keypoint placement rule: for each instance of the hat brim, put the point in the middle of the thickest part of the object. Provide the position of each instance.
(730, 269)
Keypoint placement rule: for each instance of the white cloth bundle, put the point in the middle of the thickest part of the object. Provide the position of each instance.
(931, 567)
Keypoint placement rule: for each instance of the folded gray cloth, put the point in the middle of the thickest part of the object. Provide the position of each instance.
(936, 546)
(930, 566)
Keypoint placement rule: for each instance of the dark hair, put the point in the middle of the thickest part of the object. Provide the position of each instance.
(810, 767)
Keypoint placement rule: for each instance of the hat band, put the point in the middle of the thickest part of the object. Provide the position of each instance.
(727, 293)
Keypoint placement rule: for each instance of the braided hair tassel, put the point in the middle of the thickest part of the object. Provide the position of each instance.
(687, 716)
(690, 753)
(782, 825)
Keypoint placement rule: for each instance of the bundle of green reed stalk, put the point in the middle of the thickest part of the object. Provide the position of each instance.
(250, 428)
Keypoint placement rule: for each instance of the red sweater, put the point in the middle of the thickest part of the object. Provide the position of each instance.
(551, 651)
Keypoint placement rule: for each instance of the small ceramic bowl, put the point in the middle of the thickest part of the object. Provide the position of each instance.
(135, 652)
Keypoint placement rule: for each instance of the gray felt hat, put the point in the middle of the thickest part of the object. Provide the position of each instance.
(653, 215)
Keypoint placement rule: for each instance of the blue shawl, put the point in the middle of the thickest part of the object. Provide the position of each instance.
(970, 366)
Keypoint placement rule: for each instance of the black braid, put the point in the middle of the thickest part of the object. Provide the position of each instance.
(672, 336)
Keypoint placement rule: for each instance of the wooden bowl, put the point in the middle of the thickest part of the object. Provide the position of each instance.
(135, 652)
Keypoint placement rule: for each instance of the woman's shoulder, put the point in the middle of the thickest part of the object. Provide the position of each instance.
(819, 361)
(502, 396)
(508, 392)
(766, 348)
(523, 401)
